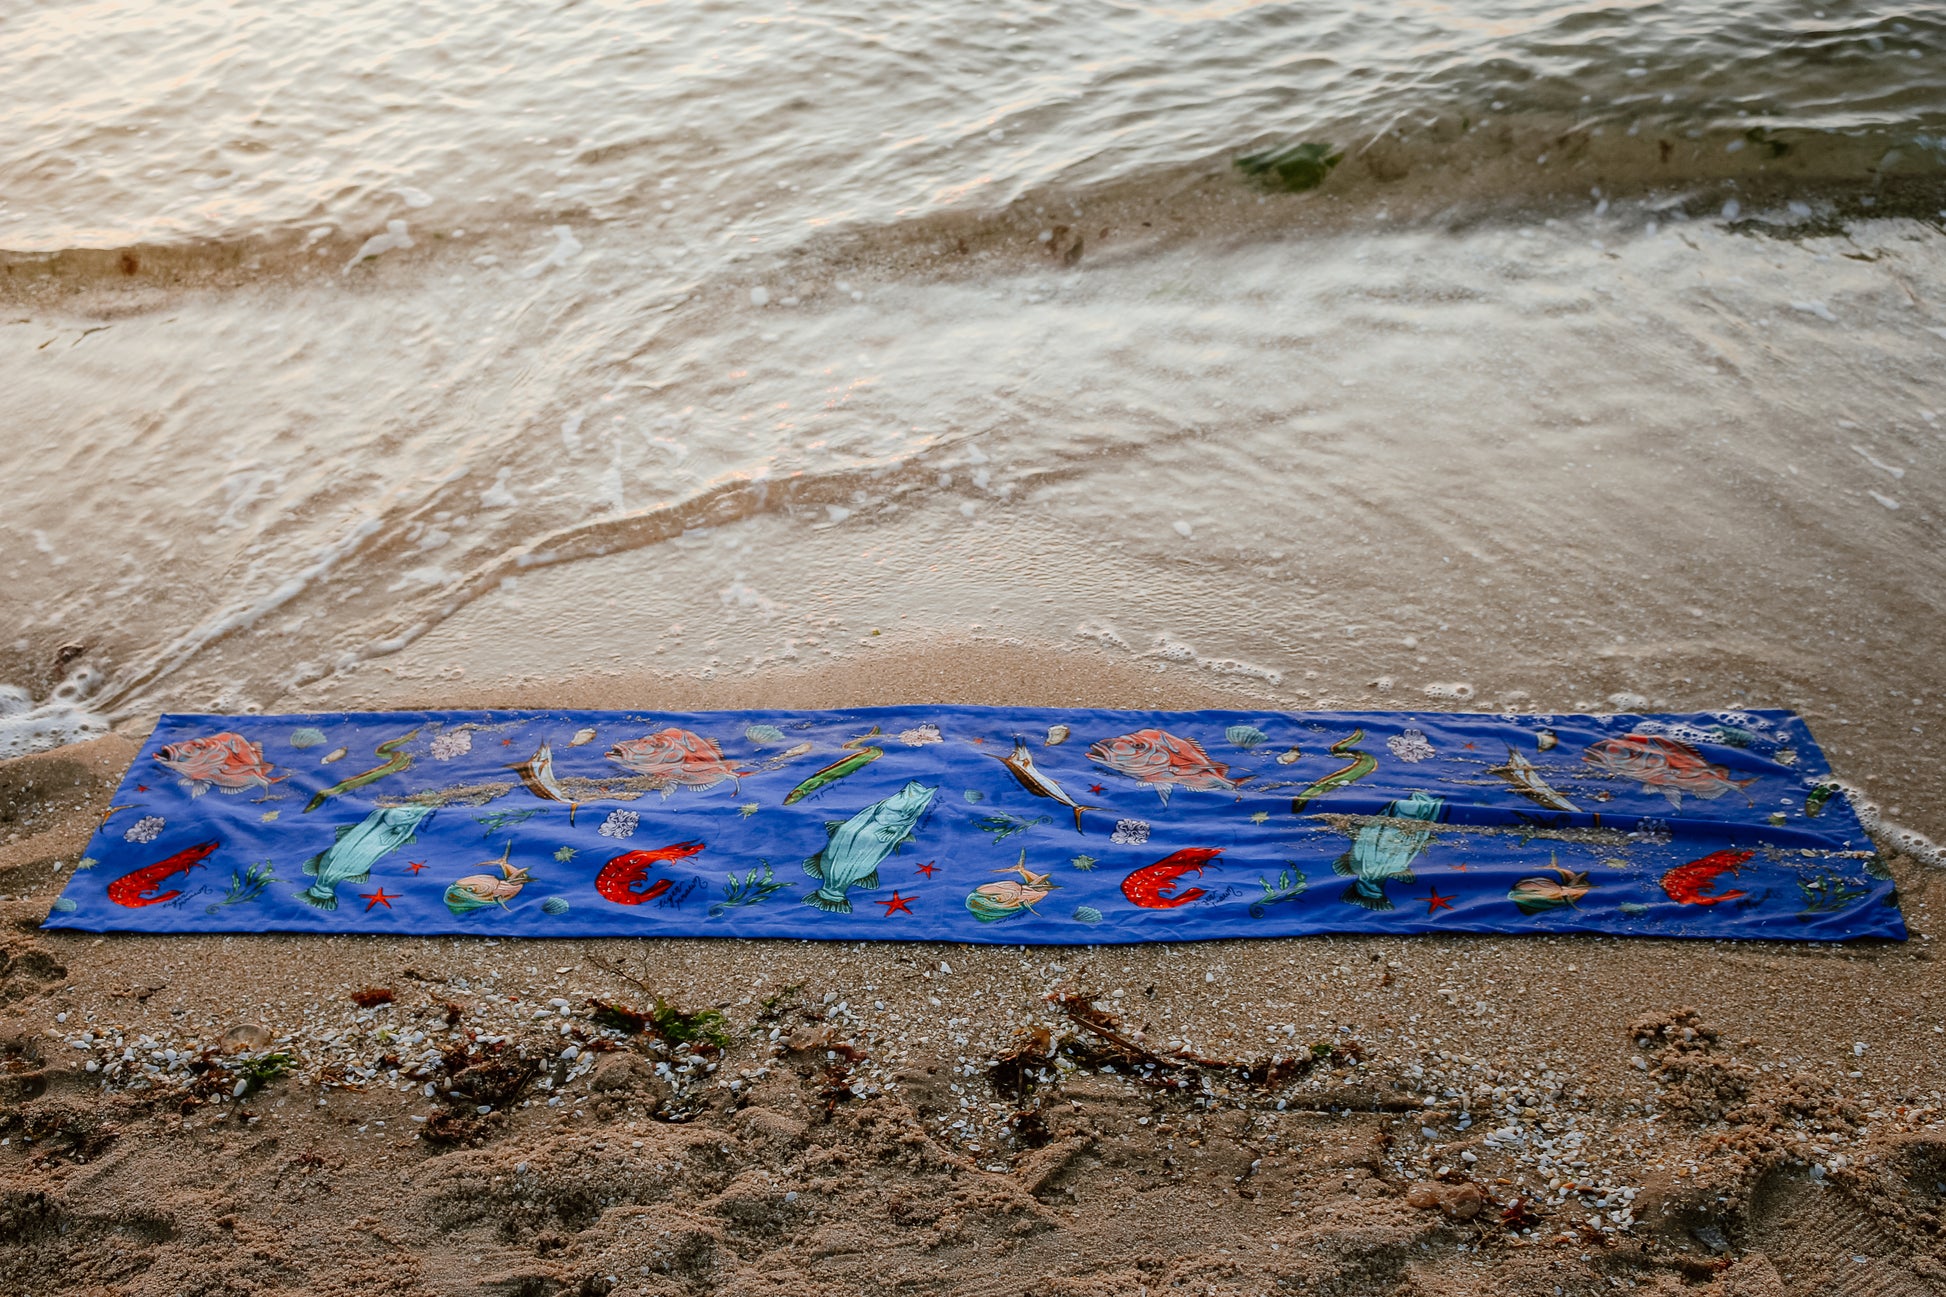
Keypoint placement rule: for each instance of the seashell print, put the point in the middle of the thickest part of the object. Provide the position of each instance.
(1245, 736)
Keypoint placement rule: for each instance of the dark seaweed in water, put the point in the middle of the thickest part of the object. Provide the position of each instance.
(1293, 169)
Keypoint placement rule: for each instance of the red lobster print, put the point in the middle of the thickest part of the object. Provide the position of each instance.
(622, 879)
(134, 889)
(1691, 884)
(1153, 887)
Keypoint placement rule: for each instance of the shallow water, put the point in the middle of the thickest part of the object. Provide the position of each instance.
(1603, 370)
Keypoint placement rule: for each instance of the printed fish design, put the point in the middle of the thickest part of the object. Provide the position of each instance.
(1153, 887)
(1670, 767)
(137, 888)
(227, 762)
(1695, 882)
(787, 756)
(857, 760)
(992, 902)
(1021, 766)
(537, 773)
(396, 762)
(1362, 764)
(1165, 762)
(860, 844)
(1540, 894)
(1383, 849)
(358, 847)
(621, 879)
(1525, 777)
(677, 758)
(477, 891)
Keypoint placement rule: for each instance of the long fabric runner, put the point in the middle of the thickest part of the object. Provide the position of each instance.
(1014, 825)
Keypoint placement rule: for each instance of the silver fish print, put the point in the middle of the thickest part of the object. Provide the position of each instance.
(859, 845)
(1526, 780)
(537, 774)
(1020, 764)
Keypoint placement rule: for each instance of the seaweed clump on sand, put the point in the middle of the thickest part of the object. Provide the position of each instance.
(1293, 168)
(1103, 1042)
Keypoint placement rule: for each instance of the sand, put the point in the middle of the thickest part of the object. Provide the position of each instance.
(1423, 1115)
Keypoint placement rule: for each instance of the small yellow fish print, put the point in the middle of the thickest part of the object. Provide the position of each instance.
(336, 754)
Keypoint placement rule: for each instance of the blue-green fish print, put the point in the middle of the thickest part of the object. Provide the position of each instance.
(358, 848)
(860, 844)
(1383, 849)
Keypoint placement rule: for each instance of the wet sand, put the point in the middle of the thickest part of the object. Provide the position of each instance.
(1343, 1115)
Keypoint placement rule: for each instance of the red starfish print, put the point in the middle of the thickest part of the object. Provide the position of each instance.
(1435, 903)
(896, 905)
(1467, 746)
(141, 788)
(1096, 789)
(380, 897)
(928, 869)
(415, 865)
(506, 743)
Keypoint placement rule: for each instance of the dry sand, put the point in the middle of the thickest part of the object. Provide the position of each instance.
(1458, 1115)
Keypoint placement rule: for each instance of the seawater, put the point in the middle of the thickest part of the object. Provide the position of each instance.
(355, 351)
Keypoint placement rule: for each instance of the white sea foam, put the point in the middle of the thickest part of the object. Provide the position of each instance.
(566, 248)
(29, 726)
(395, 239)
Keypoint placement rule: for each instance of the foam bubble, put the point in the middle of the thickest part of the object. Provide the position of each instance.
(395, 238)
(27, 726)
(566, 248)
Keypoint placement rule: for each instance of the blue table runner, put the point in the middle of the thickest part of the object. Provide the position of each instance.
(1012, 825)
